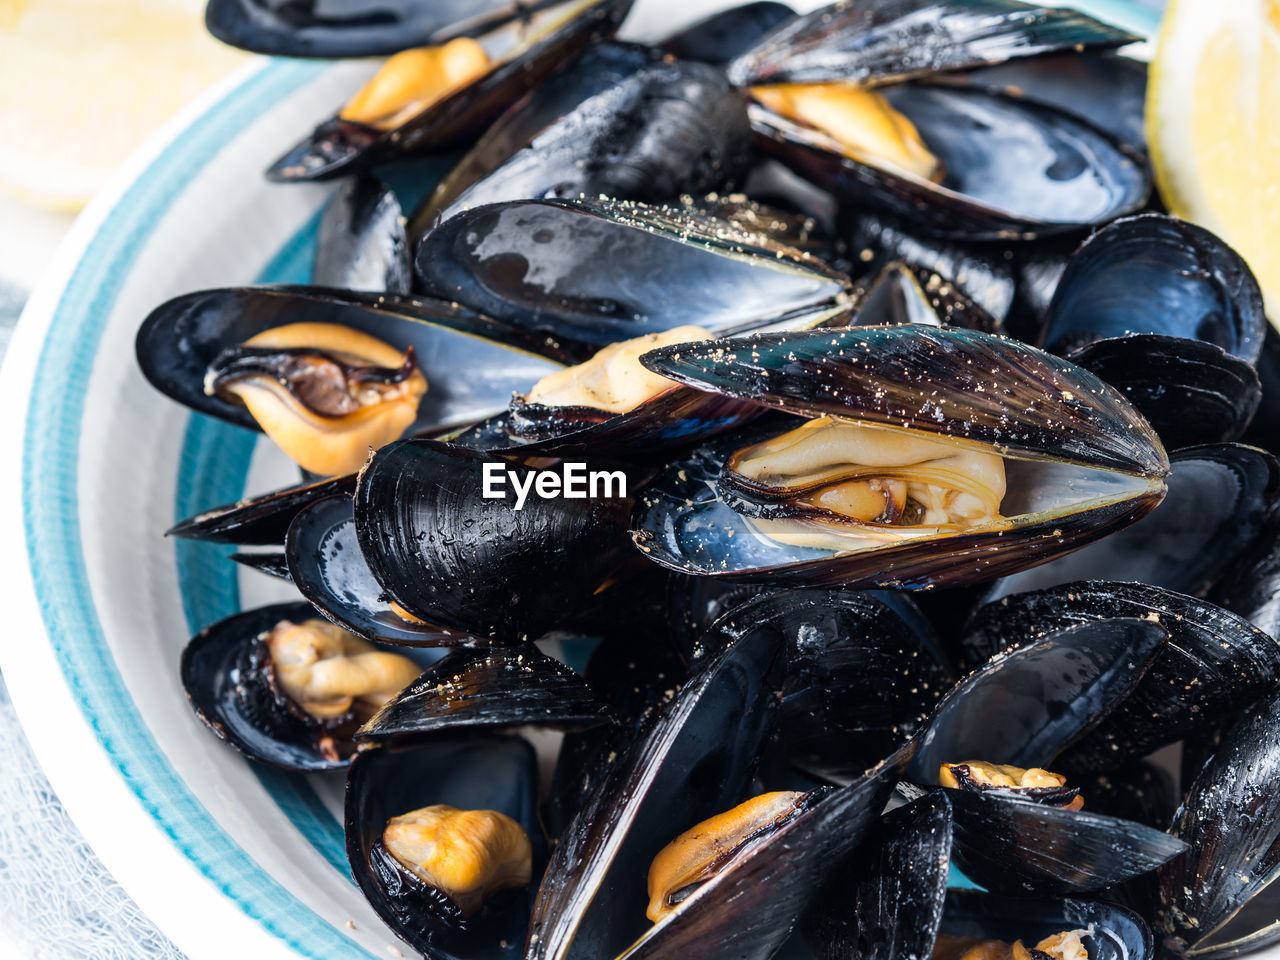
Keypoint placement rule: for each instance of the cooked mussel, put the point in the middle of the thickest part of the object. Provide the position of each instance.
(310, 358)
(430, 98)
(448, 554)
(662, 130)
(1150, 302)
(289, 689)
(882, 41)
(443, 839)
(550, 266)
(1214, 664)
(1014, 457)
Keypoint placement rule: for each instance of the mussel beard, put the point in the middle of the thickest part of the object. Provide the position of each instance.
(324, 393)
(843, 485)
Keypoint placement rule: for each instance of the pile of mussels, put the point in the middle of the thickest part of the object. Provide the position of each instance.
(937, 524)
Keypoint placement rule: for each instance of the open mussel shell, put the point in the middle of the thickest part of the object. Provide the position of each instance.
(524, 48)
(879, 41)
(886, 903)
(361, 242)
(1118, 933)
(1107, 89)
(861, 679)
(1214, 664)
(1078, 177)
(262, 520)
(1155, 274)
(326, 565)
(1220, 498)
(1025, 706)
(471, 773)
(695, 759)
(472, 363)
(357, 28)
(500, 687)
(1223, 898)
(667, 129)
(594, 71)
(962, 385)
(726, 35)
(227, 683)
(270, 563)
(447, 554)
(1191, 392)
(548, 266)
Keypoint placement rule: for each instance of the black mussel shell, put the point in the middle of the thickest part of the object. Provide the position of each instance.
(262, 520)
(1107, 89)
(327, 567)
(1118, 934)
(886, 903)
(361, 242)
(226, 674)
(1251, 585)
(1264, 429)
(1143, 792)
(694, 603)
(726, 35)
(472, 363)
(597, 69)
(1016, 846)
(665, 130)
(499, 687)
(1158, 275)
(473, 773)
(1214, 663)
(983, 273)
(877, 41)
(271, 563)
(536, 49)
(1078, 176)
(635, 671)
(551, 266)
(1025, 706)
(1219, 499)
(1190, 392)
(901, 293)
(678, 417)
(937, 381)
(790, 225)
(356, 28)
(1222, 899)
(695, 759)
(861, 679)
(447, 554)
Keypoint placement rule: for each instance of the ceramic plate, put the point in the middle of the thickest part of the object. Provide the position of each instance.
(229, 859)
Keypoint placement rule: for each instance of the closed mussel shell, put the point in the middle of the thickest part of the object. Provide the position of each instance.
(449, 555)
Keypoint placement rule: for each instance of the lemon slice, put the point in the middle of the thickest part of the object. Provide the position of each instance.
(84, 82)
(1213, 122)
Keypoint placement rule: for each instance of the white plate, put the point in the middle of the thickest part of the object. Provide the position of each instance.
(229, 859)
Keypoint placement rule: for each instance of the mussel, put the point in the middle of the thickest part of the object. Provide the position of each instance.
(430, 98)
(1020, 458)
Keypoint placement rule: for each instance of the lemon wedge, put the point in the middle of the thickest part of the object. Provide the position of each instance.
(84, 82)
(1213, 123)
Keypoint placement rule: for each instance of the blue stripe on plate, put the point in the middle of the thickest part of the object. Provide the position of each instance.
(51, 517)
